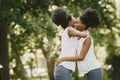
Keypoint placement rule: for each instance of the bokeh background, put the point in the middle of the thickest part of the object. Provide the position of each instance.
(29, 39)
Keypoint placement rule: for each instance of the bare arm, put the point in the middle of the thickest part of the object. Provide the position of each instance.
(84, 50)
(74, 32)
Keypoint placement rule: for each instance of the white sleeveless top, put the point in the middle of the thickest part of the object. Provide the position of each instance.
(69, 46)
(90, 62)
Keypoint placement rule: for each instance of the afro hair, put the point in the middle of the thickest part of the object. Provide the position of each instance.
(90, 18)
(60, 17)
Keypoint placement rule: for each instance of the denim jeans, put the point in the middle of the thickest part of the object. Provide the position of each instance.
(62, 73)
(95, 74)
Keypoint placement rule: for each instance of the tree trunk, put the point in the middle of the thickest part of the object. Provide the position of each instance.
(50, 64)
(50, 61)
(50, 67)
(4, 72)
(19, 66)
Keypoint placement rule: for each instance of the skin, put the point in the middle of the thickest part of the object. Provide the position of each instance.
(74, 30)
(86, 45)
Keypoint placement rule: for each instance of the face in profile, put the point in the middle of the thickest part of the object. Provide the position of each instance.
(79, 25)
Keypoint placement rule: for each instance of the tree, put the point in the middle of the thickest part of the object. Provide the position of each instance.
(113, 65)
(44, 37)
(34, 18)
(12, 11)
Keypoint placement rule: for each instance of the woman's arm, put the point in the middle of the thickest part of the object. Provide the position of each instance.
(77, 33)
(84, 50)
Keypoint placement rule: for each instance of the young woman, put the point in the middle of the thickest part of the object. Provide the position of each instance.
(68, 43)
(87, 62)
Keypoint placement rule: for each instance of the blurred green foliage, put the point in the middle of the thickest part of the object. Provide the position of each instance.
(31, 28)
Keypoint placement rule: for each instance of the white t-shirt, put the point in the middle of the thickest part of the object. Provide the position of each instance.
(90, 62)
(69, 46)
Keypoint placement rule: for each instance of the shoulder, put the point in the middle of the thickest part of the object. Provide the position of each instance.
(65, 32)
(88, 40)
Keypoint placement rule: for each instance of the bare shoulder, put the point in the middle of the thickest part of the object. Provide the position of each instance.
(87, 40)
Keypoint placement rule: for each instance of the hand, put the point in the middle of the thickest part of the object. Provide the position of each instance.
(59, 47)
(58, 61)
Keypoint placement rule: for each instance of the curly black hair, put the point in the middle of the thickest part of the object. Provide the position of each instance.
(90, 18)
(60, 17)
